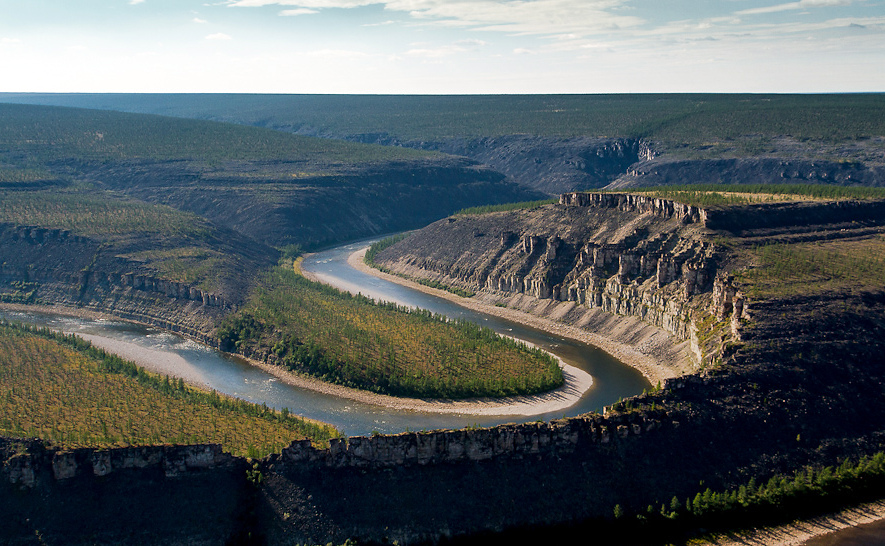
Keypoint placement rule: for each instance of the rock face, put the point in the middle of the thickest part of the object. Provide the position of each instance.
(27, 469)
(541, 440)
(626, 255)
(169, 494)
(54, 266)
(551, 165)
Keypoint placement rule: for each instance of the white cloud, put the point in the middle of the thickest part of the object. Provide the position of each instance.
(135, 2)
(461, 46)
(218, 36)
(471, 43)
(317, 4)
(299, 11)
(538, 17)
(801, 4)
(336, 54)
(10, 41)
(200, 21)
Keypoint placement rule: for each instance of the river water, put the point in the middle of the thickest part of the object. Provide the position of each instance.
(179, 357)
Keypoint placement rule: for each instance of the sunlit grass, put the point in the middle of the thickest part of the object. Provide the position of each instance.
(815, 268)
(86, 398)
(383, 347)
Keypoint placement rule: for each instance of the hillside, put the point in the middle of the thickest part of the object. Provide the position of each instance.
(557, 143)
(273, 187)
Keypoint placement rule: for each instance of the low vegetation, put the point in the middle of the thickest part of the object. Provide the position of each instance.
(815, 268)
(505, 207)
(781, 499)
(695, 120)
(98, 216)
(60, 388)
(378, 246)
(46, 133)
(383, 347)
(719, 195)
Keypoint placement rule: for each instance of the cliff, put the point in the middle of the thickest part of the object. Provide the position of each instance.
(137, 495)
(589, 256)
(57, 267)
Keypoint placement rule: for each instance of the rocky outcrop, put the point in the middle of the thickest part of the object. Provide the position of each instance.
(664, 208)
(540, 439)
(56, 267)
(27, 469)
(626, 255)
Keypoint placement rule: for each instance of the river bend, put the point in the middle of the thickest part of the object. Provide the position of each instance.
(196, 363)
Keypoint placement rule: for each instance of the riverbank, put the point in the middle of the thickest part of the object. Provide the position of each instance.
(577, 381)
(799, 533)
(641, 346)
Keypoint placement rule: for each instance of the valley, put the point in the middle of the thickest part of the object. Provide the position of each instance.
(734, 258)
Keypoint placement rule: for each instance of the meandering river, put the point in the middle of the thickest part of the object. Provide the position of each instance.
(179, 357)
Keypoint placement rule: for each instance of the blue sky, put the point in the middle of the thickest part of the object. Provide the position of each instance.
(442, 46)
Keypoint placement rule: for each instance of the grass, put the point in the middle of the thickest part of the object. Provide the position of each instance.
(723, 195)
(59, 388)
(178, 246)
(101, 217)
(506, 207)
(385, 348)
(815, 268)
(191, 265)
(42, 133)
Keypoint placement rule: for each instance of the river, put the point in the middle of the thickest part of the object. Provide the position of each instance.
(199, 364)
(173, 355)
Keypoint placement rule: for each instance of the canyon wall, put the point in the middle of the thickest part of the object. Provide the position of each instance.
(36, 464)
(56, 267)
(136, 495)
(629, 256)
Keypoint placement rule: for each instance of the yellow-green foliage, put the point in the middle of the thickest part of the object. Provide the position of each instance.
(53, 391)
(383, 347)
(97, 216)
(722, 195)
(815, 268)
(191, 265)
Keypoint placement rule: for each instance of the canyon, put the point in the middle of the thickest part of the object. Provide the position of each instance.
(761, 396)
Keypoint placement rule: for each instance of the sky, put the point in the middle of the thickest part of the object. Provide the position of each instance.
(442, 46)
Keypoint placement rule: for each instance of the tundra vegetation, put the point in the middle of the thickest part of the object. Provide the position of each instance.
(355, 341)
(807, 492)
(60, 388)
(724, 195)
(698, 123)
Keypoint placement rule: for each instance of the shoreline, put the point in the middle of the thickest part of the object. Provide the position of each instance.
(800, 532)
(647, 365)
(577, 381)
